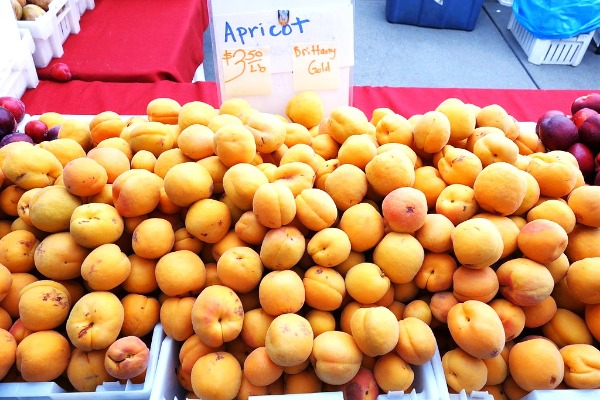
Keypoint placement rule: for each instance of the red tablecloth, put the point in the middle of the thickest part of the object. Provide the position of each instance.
(86, 98)
(90, 98)
(137, 41)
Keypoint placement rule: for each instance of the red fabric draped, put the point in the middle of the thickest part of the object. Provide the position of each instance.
(137, 41)
(85, 98)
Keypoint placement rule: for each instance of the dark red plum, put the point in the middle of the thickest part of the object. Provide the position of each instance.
(591, 100)
(52, 133)
(15, 106)
(580, 116)
(36, 130)
(558, 132)
(15, 137)
(584, 157)
(589, 132)
(8, 123)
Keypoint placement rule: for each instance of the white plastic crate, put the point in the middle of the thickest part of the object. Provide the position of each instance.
(429, 382)
(20, 73)
(106, 391)
(563, 394)
(50, 31)
(550, 51)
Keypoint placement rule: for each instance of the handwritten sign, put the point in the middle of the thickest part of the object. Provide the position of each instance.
(246, 71)
(315, 66)
(267, 60)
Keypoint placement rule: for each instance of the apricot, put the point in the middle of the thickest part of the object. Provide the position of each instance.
(416, 341)
(366, 276)
(268, 131)
(475, 284)
(234, 144)
(142, 278)
(153, 136)
(17, 250)
(196, 113)
(86, 370)
(216, 376)
(555, 175)
(43, 305)
(379, 169)
(540, 313)
(136, 192)
(315, 209)
(141, 314)
(435, 233)
(208, 220)
(301, 382)
(240, 268)
(321, 321)
(95, 320)
(163, 109)
(494, 115)
(500, 188)
(127, 357)
(543, 372)
(399, 256)
(84, 176)
(324, 288)
(305, 108)
(418, 308)
(364, 226)
(345, 121)
(392, 373)
(582, 279)
(556, 210)
(393, 128)
(363, 384)
(463, 371)
(296, 133)
(431, 132)
(10, 302)
(512, 316)
(375, 330)
(259, 369)
(524, 282)
(282, 248)
(329, 247)
(477, 243)
(542, 240)
(95, 224)
(496, 148)
(457, 203)
(566, 327)
(582, 201)
(143, 159)
(476, 319)
(436, 272)
(42, 356)
(347, 186)
(335, 357)
(196, 141)
(29, 167)
(5, 281)
(217, 315)
(583, 243)
(51, 207)
(591, 311)
(532, 194)
(508, 230)
(176, 317)
(113, 160)
(582, 366)
(289, 331)
(429, 181)
(497, 370)
(59, 256)
(458, 165)
(325, 146)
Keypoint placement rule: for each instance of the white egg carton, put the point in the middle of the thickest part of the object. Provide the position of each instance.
(50, 31)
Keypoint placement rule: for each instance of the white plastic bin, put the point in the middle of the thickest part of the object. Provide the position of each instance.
(550, 51)
(17, 71)
(50, 31)
(106, 391)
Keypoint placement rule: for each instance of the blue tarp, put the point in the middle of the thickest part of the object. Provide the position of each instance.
(557, 19)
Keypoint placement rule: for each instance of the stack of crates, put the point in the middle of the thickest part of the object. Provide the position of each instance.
(17, 70)
(50, 31)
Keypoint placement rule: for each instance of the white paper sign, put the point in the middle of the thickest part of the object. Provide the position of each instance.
(267, 60)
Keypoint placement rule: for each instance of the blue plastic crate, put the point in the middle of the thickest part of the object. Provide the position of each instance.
(443, 14)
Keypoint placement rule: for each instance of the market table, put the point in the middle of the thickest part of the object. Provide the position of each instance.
(137, 41)
(87, 98)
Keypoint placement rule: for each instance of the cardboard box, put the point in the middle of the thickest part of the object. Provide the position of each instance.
(444, 14)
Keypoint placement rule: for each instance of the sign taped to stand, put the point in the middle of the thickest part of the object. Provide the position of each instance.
(269, 51)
